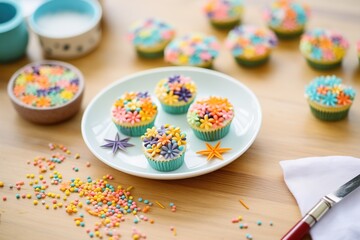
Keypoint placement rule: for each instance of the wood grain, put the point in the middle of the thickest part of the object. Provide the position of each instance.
(205, 204)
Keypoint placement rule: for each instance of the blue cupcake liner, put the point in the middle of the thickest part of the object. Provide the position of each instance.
(134, 131)
(176, 109)
(166, 166)
(212, 135)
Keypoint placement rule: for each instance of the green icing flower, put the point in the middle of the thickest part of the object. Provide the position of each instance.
(193, 119)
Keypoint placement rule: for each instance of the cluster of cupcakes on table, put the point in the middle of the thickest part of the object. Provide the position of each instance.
(134, 114)
(329, 99)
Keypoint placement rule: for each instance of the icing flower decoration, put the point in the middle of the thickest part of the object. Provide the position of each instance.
(329, 91)
(287, 15)
(210, 113)
(250, 42)
(223, 9)
(164, 143)
(150, 32)
(46, 85)
(133, 108)
(323, 45)
(213, 151)
(193, 49)
(117, 144)
(176, 90)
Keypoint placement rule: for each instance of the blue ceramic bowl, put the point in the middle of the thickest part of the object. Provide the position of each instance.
(13, 32)
(67, 28)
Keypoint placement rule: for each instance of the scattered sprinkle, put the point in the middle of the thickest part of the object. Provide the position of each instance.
(259, 223)
(244, 204)
(1, 184)
(160, 205)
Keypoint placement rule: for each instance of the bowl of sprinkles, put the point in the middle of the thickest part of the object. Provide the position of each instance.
(323, 49)
(164, 147)
(176, 93)
(210, 118)
(329, 98)
(46, 92)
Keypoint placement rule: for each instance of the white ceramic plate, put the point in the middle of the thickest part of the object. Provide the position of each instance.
(97, 125)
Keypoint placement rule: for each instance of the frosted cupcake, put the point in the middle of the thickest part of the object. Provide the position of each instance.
(133, 113)
(150, 37)
(210, 118)
(323, 49)
(328, 98)
(250, 46)
(287, 18)
(164, 148)
(224, 14)
(176, 93)
(196, 50)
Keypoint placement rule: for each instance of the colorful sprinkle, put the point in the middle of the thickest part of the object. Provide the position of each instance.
(46, 85)
(323, 45)
(214, 151)
(193, 49)
(160, 205)
(244, 204)
(259, 223)
(249, 42)
(1, 184)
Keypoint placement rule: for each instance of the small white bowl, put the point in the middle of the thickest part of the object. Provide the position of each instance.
(67, 28)
(45, 98)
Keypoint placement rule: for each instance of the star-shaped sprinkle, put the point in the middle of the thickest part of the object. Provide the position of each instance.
(215, 151)
(117, 144)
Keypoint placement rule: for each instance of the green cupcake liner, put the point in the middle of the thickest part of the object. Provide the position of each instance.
(248, 63)
(329, 116)
(176, 109)
(321, 66)
(212, 135)
(150, 55)
(166, 166)
(227, 25)
(134, 131)
(288, 35)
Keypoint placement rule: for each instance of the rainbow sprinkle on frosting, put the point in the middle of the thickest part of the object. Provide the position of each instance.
(329, 91)
(164, 143)
(150, 32)
(193, 49)
(210, 113)
(250, 42)
(287, 15)
(323, 45)
(223, 9)
(133, 108)
(176, 90)
(46, 85)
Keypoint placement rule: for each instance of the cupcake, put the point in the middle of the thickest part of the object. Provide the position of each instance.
(196, 50)
(224, 14)
(287, 18)
(164, 148)
(150, 37)
(210, 118)
(133, 113)
(176, 93)
(328, 98)
(323, 49)
(251, 46)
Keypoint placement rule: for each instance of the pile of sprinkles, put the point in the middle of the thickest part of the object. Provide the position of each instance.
(46, 85)
(250, 42)
(323, 45)
(98, 198)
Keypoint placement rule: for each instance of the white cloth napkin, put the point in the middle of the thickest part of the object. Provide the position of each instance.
(309, 179)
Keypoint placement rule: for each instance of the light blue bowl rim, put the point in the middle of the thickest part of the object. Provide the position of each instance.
(16, 20)
(96, 17)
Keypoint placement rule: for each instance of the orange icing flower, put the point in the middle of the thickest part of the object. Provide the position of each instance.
(29, 99)
(129, 95)
(72, 88)
(43, 102)
(164, 139)
(18, 90)
(343, 99)
(322, 89)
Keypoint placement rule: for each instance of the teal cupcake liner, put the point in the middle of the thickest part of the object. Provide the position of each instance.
(212, 135)
(225, 26)
(288, 35)
(249, 63)
(134, 131)
(150, 55)
(176, 109)
(329, 116)
(320, 66)
(166, 166)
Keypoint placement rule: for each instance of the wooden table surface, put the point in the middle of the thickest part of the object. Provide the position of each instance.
(205, 204)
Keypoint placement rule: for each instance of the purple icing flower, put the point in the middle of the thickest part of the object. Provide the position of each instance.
(143, 95)
(150, 141)
(175, 78)
(75, 81)
(162, 130)
(41, 92)
(117, 144)
(171, 150)
(184, 94)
